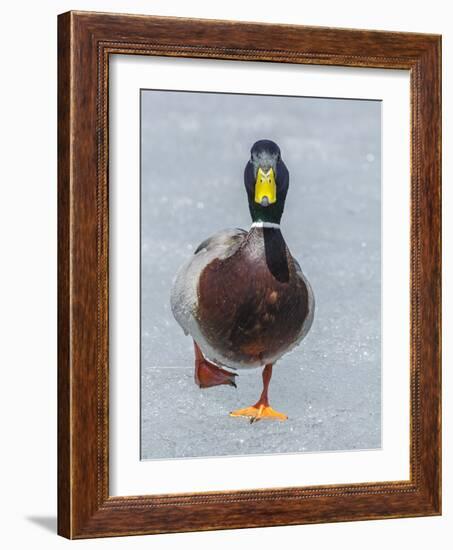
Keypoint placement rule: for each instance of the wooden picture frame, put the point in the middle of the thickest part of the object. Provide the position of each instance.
(85, 42)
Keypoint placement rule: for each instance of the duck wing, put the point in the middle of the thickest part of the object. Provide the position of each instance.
(229, 239)
(311, 302)
(184, 293)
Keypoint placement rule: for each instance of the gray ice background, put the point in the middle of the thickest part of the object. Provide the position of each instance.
(194, 149)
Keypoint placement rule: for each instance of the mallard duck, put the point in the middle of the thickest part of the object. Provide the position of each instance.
(242, 297)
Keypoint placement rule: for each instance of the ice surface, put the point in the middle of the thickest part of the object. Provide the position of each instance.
(194, 149)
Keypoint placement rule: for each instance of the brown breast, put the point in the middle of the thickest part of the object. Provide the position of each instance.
(252, 305)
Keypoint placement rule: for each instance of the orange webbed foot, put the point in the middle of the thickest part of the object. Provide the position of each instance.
(208, 374)
(259, 412)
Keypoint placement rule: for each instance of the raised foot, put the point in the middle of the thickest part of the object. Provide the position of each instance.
(259, 412)
(208, 375)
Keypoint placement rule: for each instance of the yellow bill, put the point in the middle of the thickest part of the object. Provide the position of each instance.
(265, 187)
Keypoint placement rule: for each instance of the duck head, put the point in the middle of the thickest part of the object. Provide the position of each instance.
(266, 181)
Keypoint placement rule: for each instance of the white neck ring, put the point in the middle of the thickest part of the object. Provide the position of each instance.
(269, 225)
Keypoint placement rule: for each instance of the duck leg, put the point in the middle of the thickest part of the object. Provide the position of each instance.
(207, 374)
(261, 409)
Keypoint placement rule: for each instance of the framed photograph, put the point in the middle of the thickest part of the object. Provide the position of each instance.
(249, 275)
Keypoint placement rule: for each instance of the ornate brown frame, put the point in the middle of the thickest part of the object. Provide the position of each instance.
(85, 41)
